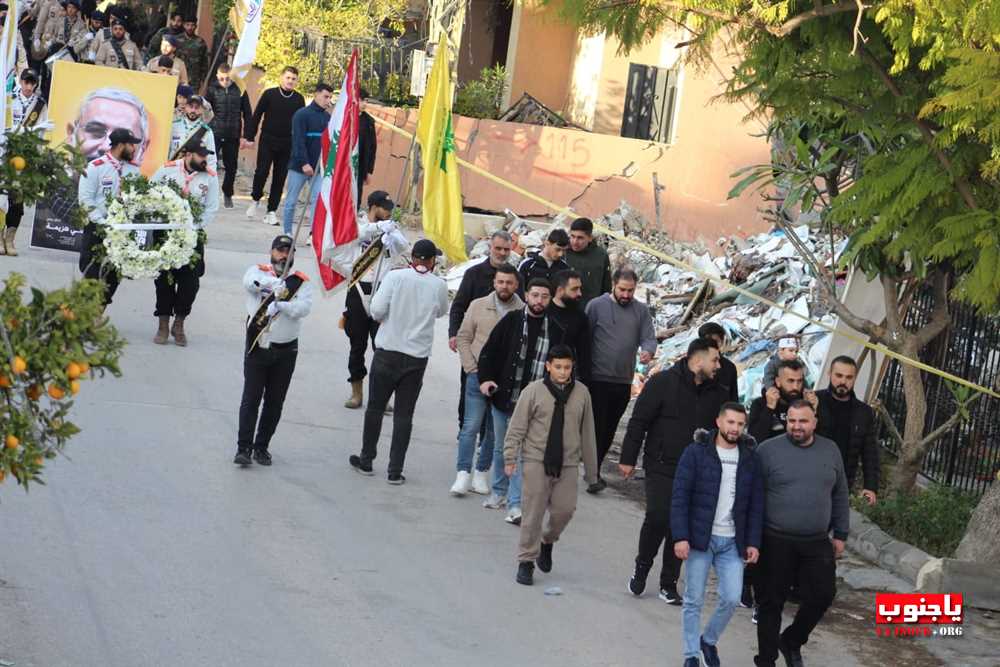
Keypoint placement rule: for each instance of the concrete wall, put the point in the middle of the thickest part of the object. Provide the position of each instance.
(540, 54)
(559, 165)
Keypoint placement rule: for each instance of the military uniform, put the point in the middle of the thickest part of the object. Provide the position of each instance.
(102, 178)
(183, 128)
(268, 367)
(82, 45)
(46, 10)
(62, 30)
(102, 37)
(179, 69)
(108, 56)
(194, 52)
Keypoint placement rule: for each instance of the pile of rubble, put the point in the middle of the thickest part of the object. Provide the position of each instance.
(767, 265)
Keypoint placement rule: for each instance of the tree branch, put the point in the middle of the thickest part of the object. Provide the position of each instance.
(889, 424)
(950, 423)
(939, 318)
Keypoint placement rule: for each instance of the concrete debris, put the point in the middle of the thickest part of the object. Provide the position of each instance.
(766, 265)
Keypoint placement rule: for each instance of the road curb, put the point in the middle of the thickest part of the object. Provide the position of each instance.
(879, 548)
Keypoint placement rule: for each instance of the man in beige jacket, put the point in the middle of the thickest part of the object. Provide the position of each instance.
(480, 318)
(550, 432)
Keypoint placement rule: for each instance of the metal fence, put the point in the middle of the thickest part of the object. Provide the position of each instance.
(384, 64)
(968, 457)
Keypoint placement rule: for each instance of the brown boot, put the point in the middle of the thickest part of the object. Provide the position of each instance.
(178, 332)
(163, 332)
(357, 395)
(3, 241)
(8, 237)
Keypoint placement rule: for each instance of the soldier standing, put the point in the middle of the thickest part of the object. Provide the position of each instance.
(193, 50)
(119, 50)
(176, 289)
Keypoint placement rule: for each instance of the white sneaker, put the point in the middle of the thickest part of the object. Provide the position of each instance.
(514, 516)
(252, 209)
(480, 483)
(494, 502)
(271, 218)
(461, 485)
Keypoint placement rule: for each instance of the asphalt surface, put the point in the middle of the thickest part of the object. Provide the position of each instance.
(148, 547)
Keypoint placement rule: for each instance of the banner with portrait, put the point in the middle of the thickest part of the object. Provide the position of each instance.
(86, 103)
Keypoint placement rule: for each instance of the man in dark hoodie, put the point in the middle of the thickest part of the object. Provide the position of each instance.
(567, 311)
(716, 518)
(768, 413)
(589, 259)
(673, 404)
(514, 356)
(308, 124)
(851, 424)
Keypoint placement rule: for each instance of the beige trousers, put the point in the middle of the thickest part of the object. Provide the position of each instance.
(538, 494)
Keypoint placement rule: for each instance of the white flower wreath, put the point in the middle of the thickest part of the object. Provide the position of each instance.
(122, 246)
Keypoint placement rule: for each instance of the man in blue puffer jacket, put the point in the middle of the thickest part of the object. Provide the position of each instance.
(716, 518)
(308, 124)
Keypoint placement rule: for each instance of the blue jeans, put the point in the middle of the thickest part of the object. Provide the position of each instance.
(723, 554)
(477, 412)
(296, 181)
(503, 485)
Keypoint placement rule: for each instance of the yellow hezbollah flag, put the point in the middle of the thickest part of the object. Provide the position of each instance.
(442, 202)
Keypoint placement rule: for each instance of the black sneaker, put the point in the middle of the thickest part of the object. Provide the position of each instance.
(637, 583)
(526, 573)
(243, 458)
(227, 202)
(597, 486)
(262, 457)
(791, 654)
(746, 600)
(709, 654)
(360, 466)
(756, 610)
(692, 662)
(544, 559)
(670, 595)
(396, 478)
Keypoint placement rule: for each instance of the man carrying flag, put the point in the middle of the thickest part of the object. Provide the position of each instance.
(442, 201)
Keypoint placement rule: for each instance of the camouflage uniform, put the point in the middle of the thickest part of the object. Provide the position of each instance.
(194, 52)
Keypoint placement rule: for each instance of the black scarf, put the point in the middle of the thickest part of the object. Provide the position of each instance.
(553, 458)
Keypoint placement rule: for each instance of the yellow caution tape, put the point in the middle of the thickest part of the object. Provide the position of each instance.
(850, 335)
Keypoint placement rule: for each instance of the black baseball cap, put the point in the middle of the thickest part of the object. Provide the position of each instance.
(123, 135)
(197, 147)
(425, 249)
(282, 242)
(381, 199)
(29, 75)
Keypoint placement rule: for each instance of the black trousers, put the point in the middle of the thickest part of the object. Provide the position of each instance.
(175, 292)
(229, 150)
(402, 375)
(359, 327)
(809, 565)
(107, 275)
(15, 212)
(266, 374)
(610, 400)
(656, 526)
(272, 157)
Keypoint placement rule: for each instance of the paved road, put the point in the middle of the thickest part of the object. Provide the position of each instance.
(150, 548)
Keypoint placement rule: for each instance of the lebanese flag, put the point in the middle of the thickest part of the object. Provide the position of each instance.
(335, 225)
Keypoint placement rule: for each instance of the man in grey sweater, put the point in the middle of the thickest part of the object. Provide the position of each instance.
(805, 499)
(618, 326)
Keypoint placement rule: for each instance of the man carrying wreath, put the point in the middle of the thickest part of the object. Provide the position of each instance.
(176, 288)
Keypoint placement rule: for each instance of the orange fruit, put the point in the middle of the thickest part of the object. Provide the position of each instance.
(2, 475)
(38, 460)
(84, 367)
(67, 312)
(56, 392)
(18, 163)
(19, 365)
(11, 442)
(73, 370)
(74, 387)
(34, 392)
(4, 382)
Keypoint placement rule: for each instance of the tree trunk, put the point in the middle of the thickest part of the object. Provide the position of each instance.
(911, 454)
(980, 543)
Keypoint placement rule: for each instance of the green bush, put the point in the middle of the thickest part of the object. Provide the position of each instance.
(482, 98)
(933, 520)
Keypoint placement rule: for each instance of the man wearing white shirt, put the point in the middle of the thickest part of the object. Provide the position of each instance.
(176, 289)
(405, 306)
(276, 302)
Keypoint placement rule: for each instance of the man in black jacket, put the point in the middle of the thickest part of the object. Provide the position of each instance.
(769, 412)
(850, 423)
(367, 146)
(673, 404)
(231, 108)
(567, 310)
(513, 356)
(476, 283)
(547, 263)
(728, 376)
